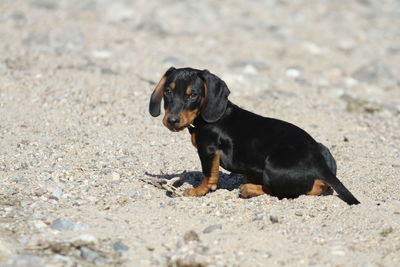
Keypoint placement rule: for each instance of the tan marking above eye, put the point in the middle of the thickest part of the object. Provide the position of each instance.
(189, 91)
(172, 85)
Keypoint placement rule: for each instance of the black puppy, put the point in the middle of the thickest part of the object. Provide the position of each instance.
(275, 157)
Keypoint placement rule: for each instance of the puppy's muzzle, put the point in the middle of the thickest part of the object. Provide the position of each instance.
(173, 119)
(174, 122)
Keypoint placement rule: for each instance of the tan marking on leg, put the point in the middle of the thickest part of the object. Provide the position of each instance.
(208, 183)
(251, 190)
(319, 188)
(193, 138)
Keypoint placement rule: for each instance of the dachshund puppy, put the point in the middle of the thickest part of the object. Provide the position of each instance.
(275, 157)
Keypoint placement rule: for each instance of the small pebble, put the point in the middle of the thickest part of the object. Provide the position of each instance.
(273, 219)
(258, 217)
(92, 256)
(19, 180)
(84, 240)
(39, 224)
(115, 176)
(40, 192)
(250, 69)
(101, 54)
(65, 224)
(211, 228)
(120, 247)
(386, 231)
(62, 224)
(292, 72)
(338, 252)
(57, 193)
(191, 236)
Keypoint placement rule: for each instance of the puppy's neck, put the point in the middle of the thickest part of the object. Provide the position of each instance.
(199, 121)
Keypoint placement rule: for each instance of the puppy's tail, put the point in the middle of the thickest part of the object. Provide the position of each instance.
(342, 191)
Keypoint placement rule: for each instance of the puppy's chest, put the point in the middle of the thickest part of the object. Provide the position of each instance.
(224, 150)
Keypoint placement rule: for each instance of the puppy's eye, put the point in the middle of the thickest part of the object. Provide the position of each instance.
(167, 91)
(192, 96)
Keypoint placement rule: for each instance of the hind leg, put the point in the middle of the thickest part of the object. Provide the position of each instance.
(290, 181)
(252, 188)
(255, 186)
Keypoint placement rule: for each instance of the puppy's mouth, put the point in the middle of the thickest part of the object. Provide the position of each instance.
(177, 124)
(177, 128)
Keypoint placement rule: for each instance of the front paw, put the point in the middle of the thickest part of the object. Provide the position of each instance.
(196, 192)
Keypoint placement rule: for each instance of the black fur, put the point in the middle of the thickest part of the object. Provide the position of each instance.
(217, 97)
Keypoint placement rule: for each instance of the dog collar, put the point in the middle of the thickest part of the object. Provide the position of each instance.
(191, 128)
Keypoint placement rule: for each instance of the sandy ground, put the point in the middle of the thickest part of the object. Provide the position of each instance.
(82, 162)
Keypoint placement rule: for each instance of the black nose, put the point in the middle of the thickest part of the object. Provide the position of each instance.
(173, 119)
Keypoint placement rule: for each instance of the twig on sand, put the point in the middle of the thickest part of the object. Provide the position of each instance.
(167, 185)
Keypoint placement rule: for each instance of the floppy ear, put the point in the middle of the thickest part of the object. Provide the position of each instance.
(156, 96)
(216, 97)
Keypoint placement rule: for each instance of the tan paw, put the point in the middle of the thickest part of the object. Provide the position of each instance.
(250, 190)
(196, 192)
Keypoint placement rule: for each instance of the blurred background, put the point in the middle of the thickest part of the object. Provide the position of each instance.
(325, 44)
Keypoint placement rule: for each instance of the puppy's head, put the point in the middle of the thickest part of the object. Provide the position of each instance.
(188, 93)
